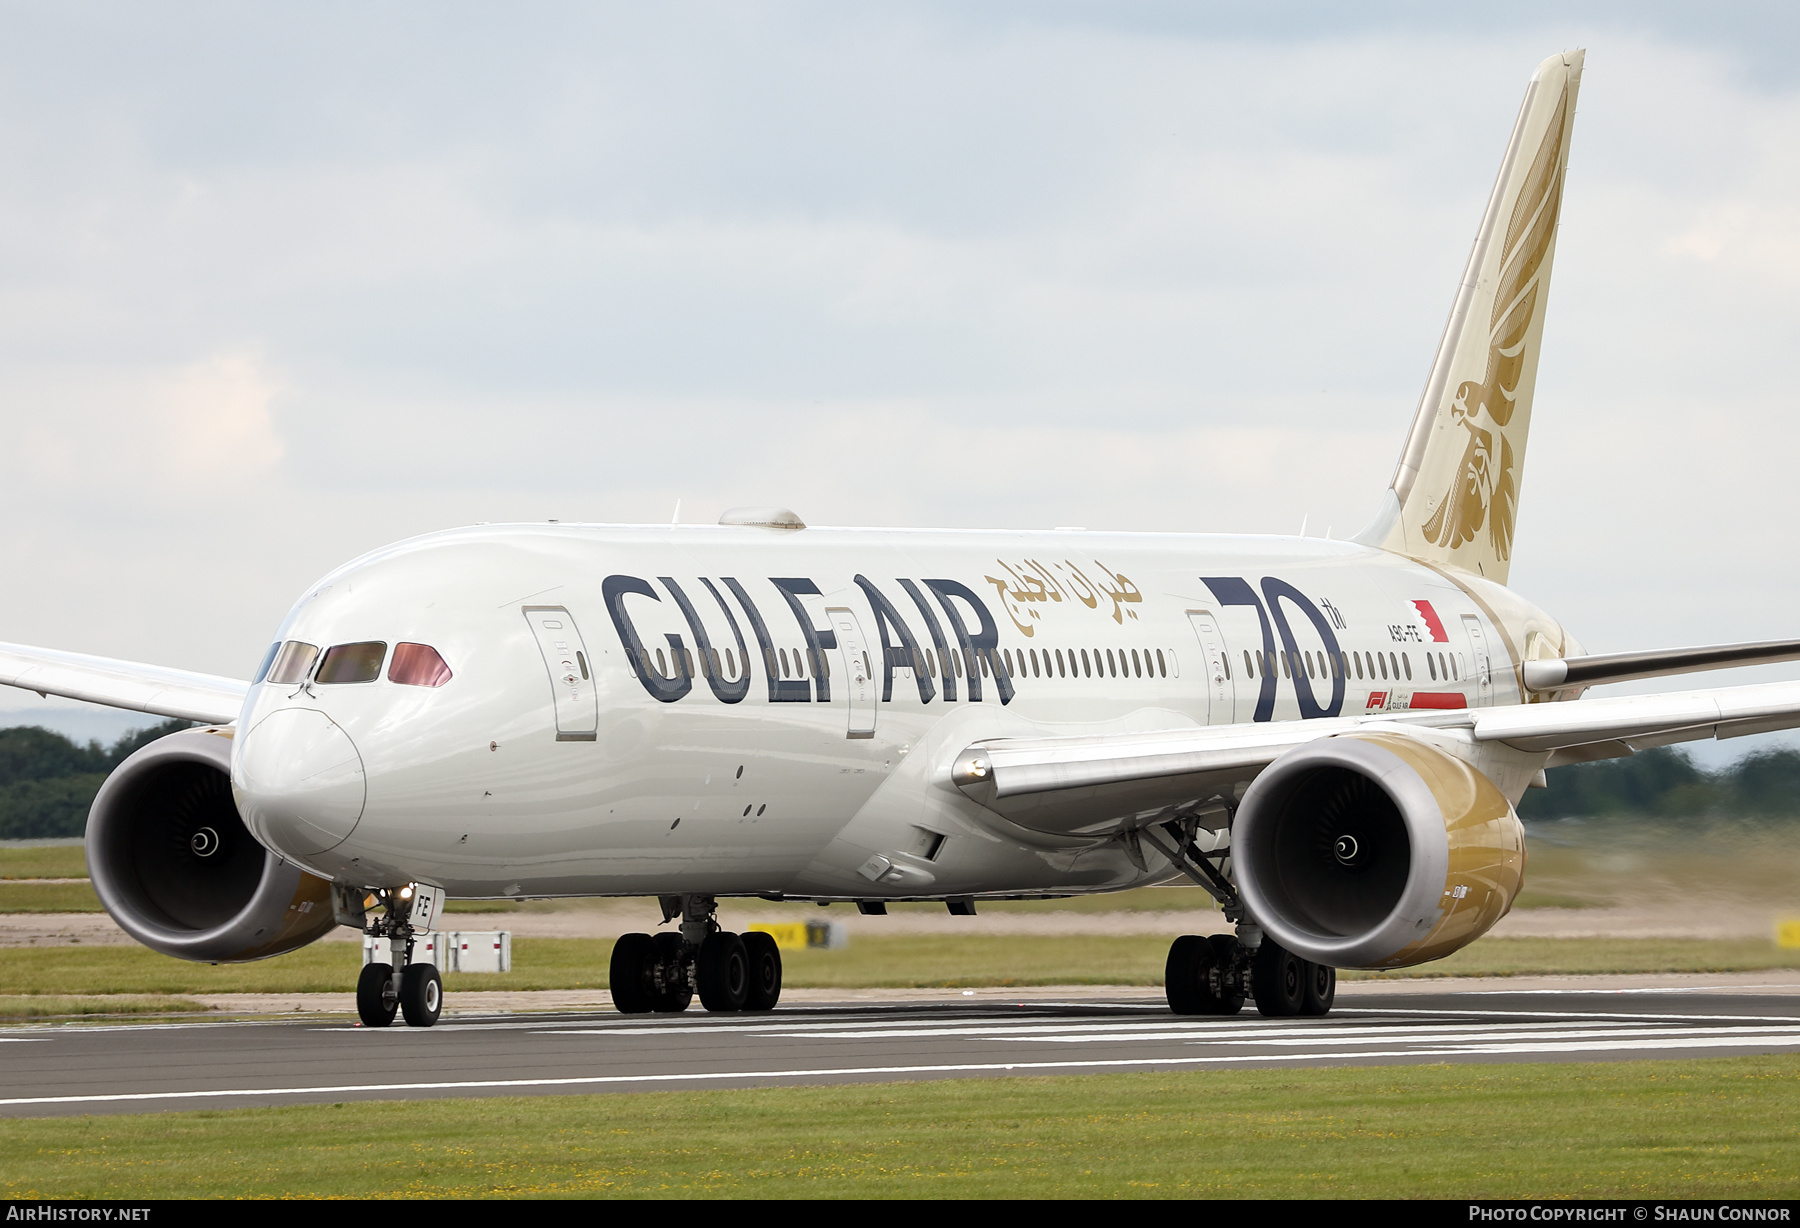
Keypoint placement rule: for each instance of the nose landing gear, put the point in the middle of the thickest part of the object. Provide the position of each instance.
(729, 972)
(394, 985)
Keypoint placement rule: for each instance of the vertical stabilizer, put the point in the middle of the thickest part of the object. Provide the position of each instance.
(1455, 495)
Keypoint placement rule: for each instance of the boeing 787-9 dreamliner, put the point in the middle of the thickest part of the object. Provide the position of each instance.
(1327, 736)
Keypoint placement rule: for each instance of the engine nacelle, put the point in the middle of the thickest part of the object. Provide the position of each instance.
(1376, 850)
(177, 869)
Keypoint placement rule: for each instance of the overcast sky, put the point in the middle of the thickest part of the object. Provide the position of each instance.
(279, 284)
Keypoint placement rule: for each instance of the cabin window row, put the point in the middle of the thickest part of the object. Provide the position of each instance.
(1077, 663)
(1366, 666)
(724, 664)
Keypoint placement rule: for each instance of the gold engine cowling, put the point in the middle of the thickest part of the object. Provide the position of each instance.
(177, 869)
(1376, 850)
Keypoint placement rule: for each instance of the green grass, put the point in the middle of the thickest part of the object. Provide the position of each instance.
(1585, 864)
(1572, 956)
(48, 897)
(32, 1006)
(900, 960)
(56, 861)
(1718, 1128)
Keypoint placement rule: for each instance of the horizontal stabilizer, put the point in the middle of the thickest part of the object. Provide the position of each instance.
(123, 684)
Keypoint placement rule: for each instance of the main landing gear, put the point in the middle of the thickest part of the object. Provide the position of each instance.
(663, 972)
(1214, 974)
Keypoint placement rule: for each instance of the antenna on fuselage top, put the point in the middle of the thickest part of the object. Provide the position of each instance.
(676, 518)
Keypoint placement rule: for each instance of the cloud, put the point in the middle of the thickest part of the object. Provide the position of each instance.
(273, 296)
(193, 435)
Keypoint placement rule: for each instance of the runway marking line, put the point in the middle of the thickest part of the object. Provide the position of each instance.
(824, 1072)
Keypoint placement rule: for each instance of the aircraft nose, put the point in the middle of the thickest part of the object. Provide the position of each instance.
(299, 781)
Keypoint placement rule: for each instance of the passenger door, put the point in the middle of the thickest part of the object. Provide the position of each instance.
(857, 677)
(571, 672)
(1221, 690)
(1478, 649)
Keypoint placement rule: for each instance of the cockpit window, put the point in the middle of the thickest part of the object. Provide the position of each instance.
(262, 671)
(418, 665)
(351, 663)
(293, 661)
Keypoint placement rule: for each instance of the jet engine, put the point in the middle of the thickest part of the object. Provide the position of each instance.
(177, 869)
(1376, 850)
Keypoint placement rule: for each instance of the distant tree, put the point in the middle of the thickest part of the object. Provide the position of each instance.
(1766, 783)
(133, 742)
(47, 782)
(1665, 783)
(30, 753)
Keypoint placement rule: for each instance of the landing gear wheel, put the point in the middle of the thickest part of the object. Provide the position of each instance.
(1185, 975)
(376, 1001)
(421, 995)
(1321, 990)
(722, 972)
(1197, 981)
(673, 990)
(1278, 979)
(765, 971)
(1228, 956)
(632, 978)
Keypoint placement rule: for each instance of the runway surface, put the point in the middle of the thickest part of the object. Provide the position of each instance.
(71, 1069)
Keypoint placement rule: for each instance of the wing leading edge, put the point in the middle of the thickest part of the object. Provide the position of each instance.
(123, 684)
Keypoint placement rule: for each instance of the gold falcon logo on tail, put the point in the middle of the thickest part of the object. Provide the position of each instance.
(1457, 485)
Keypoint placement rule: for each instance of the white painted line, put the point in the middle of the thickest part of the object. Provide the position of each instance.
(1621, 1015)
(1670, 1036)
(715, 1076)
(1302, 1035)
(1601, 1046)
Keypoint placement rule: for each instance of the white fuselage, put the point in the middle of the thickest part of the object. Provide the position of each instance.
(587, 744)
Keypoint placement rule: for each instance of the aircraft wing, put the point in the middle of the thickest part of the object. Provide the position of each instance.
(123, 684)
(1095, 785)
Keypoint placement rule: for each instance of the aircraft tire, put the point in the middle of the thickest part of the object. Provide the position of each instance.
(1187, 977)
(673, 990)
(421, 995)
(632, 977)
(722, 973)
(1277, 980)
(1321, 990)
(1227, 954)
(376, 1001)
(765, 971)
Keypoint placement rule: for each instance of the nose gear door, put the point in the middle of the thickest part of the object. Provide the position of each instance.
(571, 672)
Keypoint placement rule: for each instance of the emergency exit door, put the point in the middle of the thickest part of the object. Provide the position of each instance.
(571, 672)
